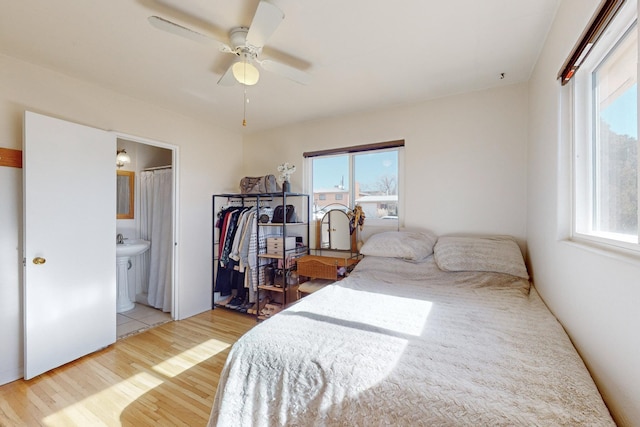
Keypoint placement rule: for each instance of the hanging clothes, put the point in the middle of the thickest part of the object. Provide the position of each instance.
(228, 225)
(239, 270)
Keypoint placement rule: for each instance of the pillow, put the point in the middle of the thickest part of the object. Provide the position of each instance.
(409, 245)
(499, 254)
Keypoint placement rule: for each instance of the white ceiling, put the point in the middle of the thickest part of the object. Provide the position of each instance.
(362, 54)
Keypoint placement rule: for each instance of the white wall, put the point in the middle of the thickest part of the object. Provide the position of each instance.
(594, 294)
(203, 171)
(464, 163)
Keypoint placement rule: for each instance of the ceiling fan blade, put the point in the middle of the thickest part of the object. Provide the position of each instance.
(227, 78)
(267, 18)
(173, 28)
(287, 71)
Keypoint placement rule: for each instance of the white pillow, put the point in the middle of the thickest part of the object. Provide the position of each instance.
(409, 245)
(499, 254)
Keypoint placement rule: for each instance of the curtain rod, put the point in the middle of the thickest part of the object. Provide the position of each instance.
(156, 168)
(598, 24)
(355, 148)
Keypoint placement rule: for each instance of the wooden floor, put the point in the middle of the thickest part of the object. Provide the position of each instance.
(164, 376)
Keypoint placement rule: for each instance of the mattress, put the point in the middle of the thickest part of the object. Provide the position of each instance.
(407, 344)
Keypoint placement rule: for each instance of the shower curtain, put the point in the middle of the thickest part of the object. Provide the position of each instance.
(155, 226)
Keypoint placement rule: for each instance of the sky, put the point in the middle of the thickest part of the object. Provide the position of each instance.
(623, 112)
(328, 172)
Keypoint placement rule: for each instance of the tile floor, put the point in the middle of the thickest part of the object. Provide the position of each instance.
(141, 317)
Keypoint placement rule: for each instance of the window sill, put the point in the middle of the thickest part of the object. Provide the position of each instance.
(605, 249)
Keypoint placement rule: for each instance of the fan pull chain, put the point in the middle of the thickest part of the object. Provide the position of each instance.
(244, 107)
(244, 104)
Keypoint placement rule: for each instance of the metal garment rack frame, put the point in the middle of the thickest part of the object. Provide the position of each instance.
(244, 200)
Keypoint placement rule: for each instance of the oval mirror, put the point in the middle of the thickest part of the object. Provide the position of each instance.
(334, 230)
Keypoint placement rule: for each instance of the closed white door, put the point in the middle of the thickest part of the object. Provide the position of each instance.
(69, 242)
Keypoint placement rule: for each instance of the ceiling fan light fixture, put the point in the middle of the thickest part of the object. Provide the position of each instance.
(245, 73)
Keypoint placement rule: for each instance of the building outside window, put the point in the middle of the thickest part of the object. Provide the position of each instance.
(368, 178)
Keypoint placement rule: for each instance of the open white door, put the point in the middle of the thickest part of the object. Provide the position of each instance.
(69, 242)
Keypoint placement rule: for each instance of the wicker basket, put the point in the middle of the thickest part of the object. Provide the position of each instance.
(322, 267)
(318, 269)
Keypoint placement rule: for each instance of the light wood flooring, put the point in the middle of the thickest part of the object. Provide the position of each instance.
(163, 376)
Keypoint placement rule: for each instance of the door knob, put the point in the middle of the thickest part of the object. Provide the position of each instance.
(38, 260)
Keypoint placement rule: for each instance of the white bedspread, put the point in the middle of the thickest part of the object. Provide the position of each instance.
(406, 344)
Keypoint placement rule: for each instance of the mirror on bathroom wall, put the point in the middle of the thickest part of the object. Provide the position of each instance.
(124, 194)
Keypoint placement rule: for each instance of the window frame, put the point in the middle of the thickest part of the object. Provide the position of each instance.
(584, 127)
(352, 152)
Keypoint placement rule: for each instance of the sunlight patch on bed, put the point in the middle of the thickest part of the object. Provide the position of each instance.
(106, 404)
(397, 314)
(190, 358)
(406, 316)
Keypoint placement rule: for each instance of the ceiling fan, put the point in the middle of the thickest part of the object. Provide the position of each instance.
(246, 43)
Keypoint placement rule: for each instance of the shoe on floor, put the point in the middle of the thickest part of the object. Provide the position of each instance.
(249, 308)
(235, 303)
(224, 302)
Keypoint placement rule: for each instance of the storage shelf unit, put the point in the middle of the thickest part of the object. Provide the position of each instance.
(288, 292)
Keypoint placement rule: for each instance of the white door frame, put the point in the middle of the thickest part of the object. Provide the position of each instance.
(175, 306)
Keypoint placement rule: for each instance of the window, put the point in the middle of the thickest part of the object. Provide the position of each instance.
(368, 178)
(605, 93)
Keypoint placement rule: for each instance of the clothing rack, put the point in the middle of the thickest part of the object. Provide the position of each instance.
(245, 202)
(156, 168)
(232, 204)
(226, 278)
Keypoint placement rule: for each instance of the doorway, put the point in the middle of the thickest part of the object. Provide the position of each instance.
(151, 275)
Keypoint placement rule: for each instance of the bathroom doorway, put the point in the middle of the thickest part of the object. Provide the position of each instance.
(151, 275)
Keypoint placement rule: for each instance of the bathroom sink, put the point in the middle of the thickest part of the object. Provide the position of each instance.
(131, 248)
(124, 252)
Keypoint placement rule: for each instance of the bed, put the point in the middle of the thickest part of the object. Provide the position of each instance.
(421, 333)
